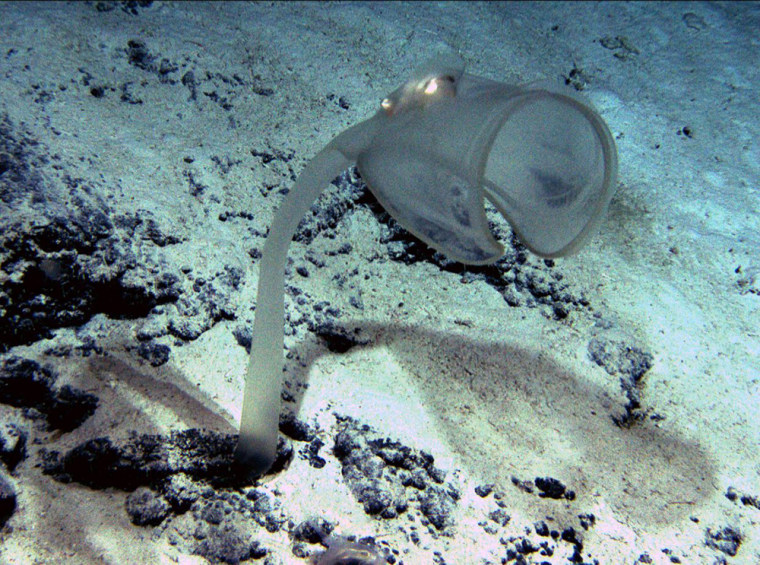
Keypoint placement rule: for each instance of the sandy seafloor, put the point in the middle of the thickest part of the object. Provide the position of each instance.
(143, 152)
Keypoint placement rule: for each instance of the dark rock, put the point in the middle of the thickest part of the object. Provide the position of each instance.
(139, 56)
(619, 358)
(313, 531)
(587, 520)
(499, 516)
(726, 540)
(311, 453)
(213, 512)
(68, 269)
(541, 528)
(24, 383)
(13, 440)
(549, 487)
(296, 429)
(387, 477)
(628, 362)
(181, 491)
(71, 408)
(156, 354)
(7, 499)
(19, 164)
(483, 490)
(146, 507)
(336, 338)
(231, 544)
(148, 460)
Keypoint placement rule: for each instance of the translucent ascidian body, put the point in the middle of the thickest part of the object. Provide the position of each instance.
(439, 145)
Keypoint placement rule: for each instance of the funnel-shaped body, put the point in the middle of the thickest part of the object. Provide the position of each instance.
(540, 153)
